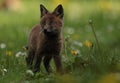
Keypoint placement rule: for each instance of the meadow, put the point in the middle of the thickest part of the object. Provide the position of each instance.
(85, 60)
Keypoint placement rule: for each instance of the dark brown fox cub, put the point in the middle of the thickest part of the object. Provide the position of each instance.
(45, 40)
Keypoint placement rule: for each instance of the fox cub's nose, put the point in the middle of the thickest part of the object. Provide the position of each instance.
(50, 32)
(47, 30)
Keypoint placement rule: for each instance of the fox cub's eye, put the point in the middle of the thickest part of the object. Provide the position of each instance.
(55, 22)
(58, 23)
(43, 22)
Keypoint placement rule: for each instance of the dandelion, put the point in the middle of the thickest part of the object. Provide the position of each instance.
(66, 78)
(109, 78)
(78, 43)
(105, 5)
(64, 2)
(2, 45)
(74, 52)
(18, 54)
(70, 30)
(65, 59)
(88, 44)
(29, 72)
(4, 71)
(47, 79)
(8, 53)
(24, 54)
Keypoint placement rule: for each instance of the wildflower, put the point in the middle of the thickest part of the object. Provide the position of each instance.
(67, 39)
(105, 5)
(8, 53)
(65, 59)
(74, 52)
(24, 54)
(18, 54)
(66, 78)
(78, 43)
(2, 45)
(47, 79)
(109, 78)
(30, 72)
(90, 21)
(64, 2)
(4, 71)
(88, 44)
(70, 30)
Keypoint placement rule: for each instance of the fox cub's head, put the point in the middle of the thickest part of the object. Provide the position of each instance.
(51, 23)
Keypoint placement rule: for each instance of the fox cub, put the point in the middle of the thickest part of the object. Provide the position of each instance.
(45, 40)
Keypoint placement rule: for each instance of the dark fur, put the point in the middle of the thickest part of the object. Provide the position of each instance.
(45, 40)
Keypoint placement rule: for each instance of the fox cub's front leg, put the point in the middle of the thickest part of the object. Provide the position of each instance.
(30, 58)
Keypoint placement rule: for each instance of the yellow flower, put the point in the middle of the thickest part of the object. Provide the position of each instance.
(109, 78)
(74, 52)
(88, 44)
(66, 79)
(8, 53)
(105, 5)
(63, 2)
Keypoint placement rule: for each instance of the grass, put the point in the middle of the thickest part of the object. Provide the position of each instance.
(82, 60)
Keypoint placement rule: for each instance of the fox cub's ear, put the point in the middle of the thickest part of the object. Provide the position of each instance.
(43, 10)
(59, 11)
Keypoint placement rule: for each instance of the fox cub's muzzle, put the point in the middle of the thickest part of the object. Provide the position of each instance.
(51, 31)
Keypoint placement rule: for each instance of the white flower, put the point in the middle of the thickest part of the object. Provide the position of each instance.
(2, 45)
(78, 43)
(30, 72)
(70, 30)
(65, 59)
(18, 54)
(24, 54)
(5, 70)
(47, 79)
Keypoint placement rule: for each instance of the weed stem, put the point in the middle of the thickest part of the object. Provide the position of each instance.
(95, 36)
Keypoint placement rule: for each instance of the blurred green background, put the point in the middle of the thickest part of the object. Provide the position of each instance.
(17, 17)
(105, 15)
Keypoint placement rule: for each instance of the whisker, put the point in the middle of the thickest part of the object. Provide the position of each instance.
(41, 31)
